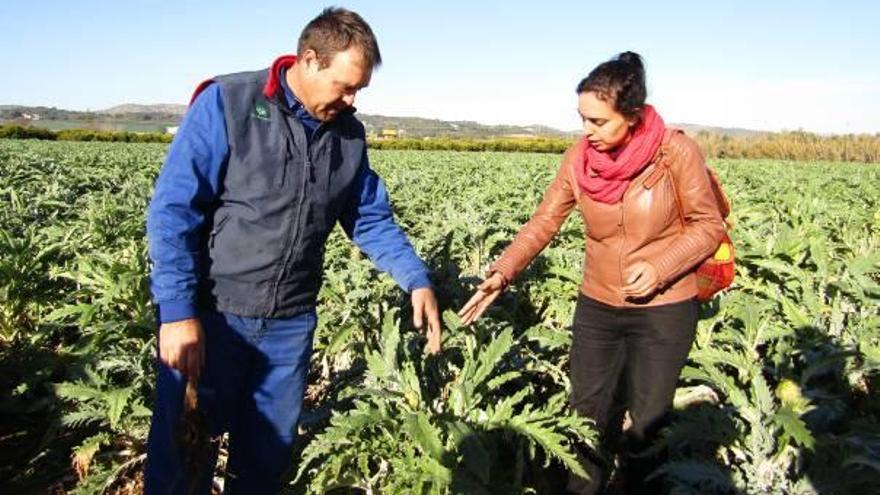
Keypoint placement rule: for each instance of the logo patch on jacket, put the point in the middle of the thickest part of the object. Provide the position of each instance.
(261, 111)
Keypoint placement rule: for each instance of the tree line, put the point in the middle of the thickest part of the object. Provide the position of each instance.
(796, 145)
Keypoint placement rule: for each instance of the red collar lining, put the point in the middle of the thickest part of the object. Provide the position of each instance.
(274, 82)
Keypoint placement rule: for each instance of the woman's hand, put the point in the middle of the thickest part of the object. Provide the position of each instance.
(641, 281)
(486, 293)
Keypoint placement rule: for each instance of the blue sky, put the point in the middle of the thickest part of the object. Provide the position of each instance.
(766, 65)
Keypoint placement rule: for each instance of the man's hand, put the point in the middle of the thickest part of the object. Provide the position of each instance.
(425, 305)
(641, 281)
(486, 293)
(182, 346)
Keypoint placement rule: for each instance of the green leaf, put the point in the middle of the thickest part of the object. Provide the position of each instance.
(501, 380)
(704, 476)
(426, 435)
(83, 417)
(503, 412)
(78, 392)
(376, 365)
(410, 386)
(548, 337)
(451, 320)
(490, 356)
(475, 456)
(85, 452)
(390, 341)
(794, 314)
(737, 360)
(116, 402)
(539, 429)
(340, 339)
(793, 427)
(762, 394)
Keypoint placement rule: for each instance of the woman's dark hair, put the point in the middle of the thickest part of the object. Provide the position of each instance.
(620, 81)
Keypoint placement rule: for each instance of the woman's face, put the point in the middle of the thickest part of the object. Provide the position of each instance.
(604, 127)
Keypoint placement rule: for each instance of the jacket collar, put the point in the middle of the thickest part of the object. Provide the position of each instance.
(273, 83)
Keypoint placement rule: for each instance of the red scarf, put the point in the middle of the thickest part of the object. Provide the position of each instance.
(605, 176)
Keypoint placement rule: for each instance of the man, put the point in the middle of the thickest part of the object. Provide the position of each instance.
(263, 166)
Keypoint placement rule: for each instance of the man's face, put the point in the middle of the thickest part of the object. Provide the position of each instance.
(329, 91)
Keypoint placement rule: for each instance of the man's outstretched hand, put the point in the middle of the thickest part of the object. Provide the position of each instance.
(425, 307)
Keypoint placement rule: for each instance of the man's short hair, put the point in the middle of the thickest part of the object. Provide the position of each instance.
(336, 30)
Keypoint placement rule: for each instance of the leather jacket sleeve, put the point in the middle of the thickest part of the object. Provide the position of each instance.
(703, 227)
(559, 200)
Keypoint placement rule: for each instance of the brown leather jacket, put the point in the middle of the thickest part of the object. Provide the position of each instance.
(645, 225)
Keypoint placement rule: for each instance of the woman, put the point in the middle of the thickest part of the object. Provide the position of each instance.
(650, 218)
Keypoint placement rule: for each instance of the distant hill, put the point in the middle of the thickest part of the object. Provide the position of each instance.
(133, 118)
(131, 108)
(161, 117)
(693, 129)
(417, 127)
(173, 112)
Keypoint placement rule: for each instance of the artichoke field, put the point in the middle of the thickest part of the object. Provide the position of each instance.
(779, 396)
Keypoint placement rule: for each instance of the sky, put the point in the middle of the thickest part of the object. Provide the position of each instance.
(771, 65)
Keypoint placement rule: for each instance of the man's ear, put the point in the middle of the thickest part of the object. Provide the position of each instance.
(310, 60)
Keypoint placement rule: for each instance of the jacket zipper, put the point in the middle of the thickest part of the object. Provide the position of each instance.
(297, 226)
(641, 183)
(216, 230)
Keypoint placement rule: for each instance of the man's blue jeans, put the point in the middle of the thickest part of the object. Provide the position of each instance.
(252, 386)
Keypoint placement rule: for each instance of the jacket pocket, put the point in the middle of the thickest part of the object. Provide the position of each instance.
(216, 230)
(260, 167)
(601, 220)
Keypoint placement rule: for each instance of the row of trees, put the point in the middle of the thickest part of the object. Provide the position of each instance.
(21, 132)
(798, 145)
(801, 146)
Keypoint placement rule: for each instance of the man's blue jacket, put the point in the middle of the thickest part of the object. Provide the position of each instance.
(194, 184)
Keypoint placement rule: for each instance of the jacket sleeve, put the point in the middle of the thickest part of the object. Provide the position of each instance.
(185, 193)
(703, 227)
(369, 222)
(559, 199)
